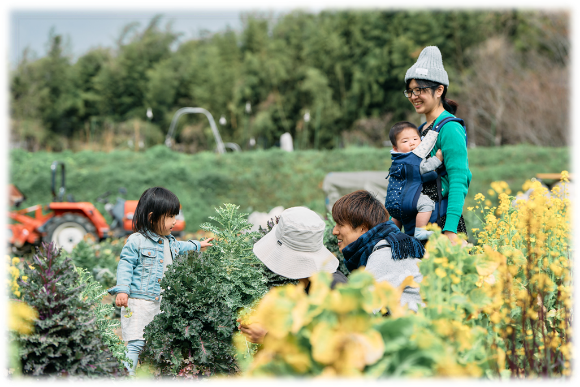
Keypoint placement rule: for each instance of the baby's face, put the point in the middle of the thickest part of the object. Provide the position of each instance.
(407, 140)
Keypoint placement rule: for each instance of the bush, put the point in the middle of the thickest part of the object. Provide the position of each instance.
(93, 293)
(202, 294)
(66, 339)
(99, 259)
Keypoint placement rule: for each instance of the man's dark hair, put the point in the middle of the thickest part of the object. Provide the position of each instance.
(398, 128)
(359, 208)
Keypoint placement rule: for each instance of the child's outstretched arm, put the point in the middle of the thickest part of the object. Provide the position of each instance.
(193, 245)
(206, 243)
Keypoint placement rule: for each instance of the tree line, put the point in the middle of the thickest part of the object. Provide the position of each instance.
(330, 79)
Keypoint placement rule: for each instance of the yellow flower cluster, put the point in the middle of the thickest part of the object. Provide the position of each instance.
(342, 333)
(14, 272)
(21, 317)
(531, 303)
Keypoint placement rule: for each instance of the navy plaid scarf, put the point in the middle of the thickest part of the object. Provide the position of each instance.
(402, 245)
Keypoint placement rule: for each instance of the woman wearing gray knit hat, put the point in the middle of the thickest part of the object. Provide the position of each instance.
(426, 88)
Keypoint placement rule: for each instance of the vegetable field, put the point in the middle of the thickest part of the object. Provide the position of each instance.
(496, 309)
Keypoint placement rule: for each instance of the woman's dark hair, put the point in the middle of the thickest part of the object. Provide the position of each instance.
(398, 128)
(448, 104)
(159, 202)
(359, 208)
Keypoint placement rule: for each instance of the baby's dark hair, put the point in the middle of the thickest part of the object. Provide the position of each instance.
(159, 202)
(398, 128)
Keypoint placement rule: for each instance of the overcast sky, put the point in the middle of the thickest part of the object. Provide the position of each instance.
(92, 24)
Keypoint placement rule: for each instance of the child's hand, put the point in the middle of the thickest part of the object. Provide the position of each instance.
(205, 243)
(439, 155)
(122, 299)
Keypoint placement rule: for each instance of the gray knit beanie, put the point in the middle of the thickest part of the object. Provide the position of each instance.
(429, 66)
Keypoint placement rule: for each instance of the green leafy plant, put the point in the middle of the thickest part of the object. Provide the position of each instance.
(455, 294)
(66, 338)
(93, 294)
(100, 259)
(202, 294)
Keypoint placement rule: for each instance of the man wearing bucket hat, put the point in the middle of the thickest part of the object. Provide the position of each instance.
(294, 249)
(426, 88)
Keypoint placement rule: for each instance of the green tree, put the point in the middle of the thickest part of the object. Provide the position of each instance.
(60, 104)
(122, 82)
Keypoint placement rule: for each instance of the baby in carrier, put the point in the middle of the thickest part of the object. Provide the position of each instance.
(408, 169)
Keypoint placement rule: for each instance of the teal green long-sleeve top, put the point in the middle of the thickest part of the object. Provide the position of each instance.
(454, 185)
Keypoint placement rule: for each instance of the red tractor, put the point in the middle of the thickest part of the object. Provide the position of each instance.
(67, 222)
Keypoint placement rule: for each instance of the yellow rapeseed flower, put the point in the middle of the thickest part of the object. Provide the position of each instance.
(21, 317)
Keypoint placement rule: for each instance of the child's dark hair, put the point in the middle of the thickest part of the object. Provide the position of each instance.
(448, 104)
(398, 128)
(159, 202)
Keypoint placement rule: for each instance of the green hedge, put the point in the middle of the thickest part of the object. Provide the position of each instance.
(256, 181)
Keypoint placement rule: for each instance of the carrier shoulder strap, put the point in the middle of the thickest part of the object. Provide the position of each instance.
(438, 127)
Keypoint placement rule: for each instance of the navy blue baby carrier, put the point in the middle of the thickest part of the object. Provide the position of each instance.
(406, 183)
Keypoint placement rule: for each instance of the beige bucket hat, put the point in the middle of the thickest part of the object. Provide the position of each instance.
(294, 248)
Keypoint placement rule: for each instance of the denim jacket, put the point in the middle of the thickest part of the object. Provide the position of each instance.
(140, 269)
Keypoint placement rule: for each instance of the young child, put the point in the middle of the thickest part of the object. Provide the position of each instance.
(405, 138)
(144, 259)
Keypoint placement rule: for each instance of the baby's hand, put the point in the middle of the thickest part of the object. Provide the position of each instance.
(122, 299)
(439, 155)
(206, 243)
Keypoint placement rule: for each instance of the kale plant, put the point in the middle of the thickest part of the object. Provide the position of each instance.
(66, 339)
(201, 298)
(93, 294)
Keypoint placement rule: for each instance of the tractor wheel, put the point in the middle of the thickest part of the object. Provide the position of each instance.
(68, 230)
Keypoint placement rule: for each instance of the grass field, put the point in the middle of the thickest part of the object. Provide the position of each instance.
(256, 181)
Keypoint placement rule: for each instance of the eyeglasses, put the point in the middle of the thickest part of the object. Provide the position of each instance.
(416, 91)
